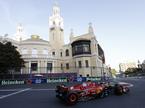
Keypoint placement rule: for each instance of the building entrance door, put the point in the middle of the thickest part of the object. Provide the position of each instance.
(49, 67)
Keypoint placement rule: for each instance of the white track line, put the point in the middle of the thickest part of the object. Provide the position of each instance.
(42, 89)
(51, 89)
(10, 89)
(2, 97)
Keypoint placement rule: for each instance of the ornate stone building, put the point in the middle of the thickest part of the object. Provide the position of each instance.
(83, 55)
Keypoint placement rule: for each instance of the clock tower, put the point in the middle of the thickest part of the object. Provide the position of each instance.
(56, 31)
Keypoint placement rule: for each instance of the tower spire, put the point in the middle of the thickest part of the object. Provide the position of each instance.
(56, 9)
(55, 20)
(56, 3)
(19, 32)
(90, 29)
(56, 27)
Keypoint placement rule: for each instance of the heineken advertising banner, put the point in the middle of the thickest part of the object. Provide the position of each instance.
(54, 80)
(49, 80)
(12, 82)
(93, 78)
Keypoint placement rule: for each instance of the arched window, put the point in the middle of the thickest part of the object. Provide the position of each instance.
(87, 63)
(67, 52)
(60, 54)
(53, 53)
(80, 64)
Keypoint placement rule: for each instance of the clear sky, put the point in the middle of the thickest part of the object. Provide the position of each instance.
(119, 25)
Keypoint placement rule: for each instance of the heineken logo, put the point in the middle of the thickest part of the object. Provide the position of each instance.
(93, 78)
(12, 82)
(50, 80)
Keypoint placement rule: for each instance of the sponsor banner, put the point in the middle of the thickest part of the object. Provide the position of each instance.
(79, 79)
(12, 82)
(53, 80)
(38, 81)
(93, 78)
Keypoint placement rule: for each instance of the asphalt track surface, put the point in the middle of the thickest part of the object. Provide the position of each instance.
(43, 96)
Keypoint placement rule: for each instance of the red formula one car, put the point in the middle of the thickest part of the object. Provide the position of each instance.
(88, 90)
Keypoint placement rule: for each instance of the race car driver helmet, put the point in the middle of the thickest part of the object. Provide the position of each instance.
(84, 84)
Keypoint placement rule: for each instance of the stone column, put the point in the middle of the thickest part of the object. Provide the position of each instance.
(42, 66)
(29, 67)
(45, 66)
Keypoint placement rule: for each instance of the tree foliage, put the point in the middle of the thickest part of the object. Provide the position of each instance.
(10, 58)
(113, 72)
(133, 71)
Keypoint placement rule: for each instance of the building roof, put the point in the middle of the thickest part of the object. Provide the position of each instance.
(35, 40)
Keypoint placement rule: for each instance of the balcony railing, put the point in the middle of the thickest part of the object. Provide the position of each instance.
(36, 56)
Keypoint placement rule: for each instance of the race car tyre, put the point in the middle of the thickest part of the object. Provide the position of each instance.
(118, 90)
(72, 98)
(103, 94)
(126, 90)
(110, 90)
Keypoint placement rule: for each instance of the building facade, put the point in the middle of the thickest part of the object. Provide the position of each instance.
(82, 55)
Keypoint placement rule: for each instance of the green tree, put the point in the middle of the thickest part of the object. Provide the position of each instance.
(113, 72)
(133, 71)
(10, 58)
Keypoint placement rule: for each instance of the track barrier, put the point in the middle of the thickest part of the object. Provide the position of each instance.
(50, 80)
